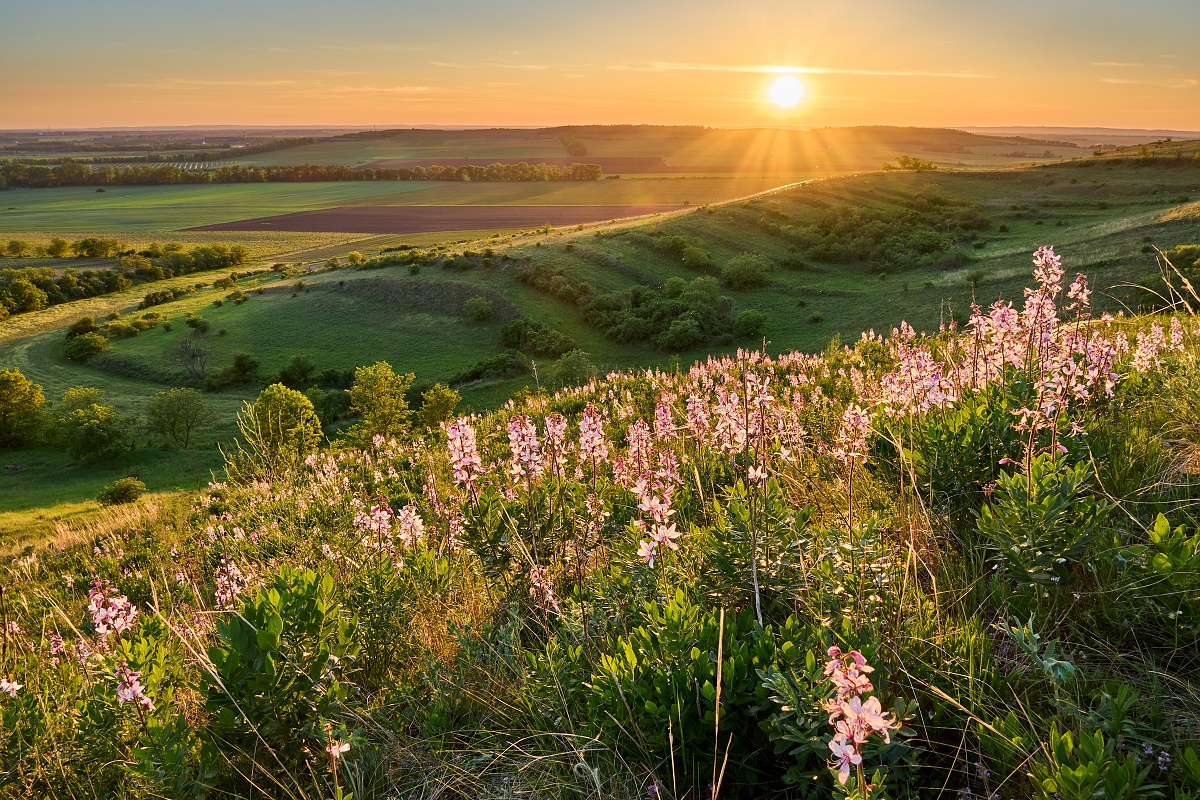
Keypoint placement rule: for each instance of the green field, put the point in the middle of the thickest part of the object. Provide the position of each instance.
(1105, 219)
(146, 209)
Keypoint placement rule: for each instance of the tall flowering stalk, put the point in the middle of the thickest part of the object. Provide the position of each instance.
(855, 720)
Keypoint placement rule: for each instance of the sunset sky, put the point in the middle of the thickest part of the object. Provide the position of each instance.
(475, 62)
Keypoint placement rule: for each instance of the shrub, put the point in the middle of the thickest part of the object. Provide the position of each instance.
(379, 396)
(478, 309)
(746, 271)
(281, 428)
(534, 338)
(243, 371)
(574, 368)
(684, 334)
(196, 322)
(174, 415)
(81, 326)
(121, 491)
(89, 429)
(83, 347)
(437, 405)
(695, 258)
(750, 323)
(297, 373)
(355, 257)
(278, 678)
(21, 402)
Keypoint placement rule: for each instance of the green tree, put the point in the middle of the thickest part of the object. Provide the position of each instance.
(21, 402)
(24, 296)
(83, 347)
(17, 247)
(378, 395)
(281, 428)
(750, 323)
(574, 368)
(176, 414)
(297, 373)
(478, 309)
(746, 270)
(437, 405)
(58, 247)
(89, 429)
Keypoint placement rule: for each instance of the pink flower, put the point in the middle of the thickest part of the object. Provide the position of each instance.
(845, 755)
(9, 688)
(130, 689)
(336, 749)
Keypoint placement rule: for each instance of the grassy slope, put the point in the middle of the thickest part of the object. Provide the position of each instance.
(340, 327)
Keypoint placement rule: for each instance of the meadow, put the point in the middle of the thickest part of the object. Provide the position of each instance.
(911, 566)
(1107, 218)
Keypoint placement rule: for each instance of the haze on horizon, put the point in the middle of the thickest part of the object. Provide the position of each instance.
(1103, 63)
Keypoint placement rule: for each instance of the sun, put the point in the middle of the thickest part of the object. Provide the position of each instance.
(786, 91)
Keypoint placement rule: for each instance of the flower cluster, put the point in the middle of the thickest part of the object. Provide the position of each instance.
(230, 583)
(111, 612)
(855, 720)
(130, 689)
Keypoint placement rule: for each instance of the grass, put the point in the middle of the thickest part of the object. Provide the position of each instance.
(141, 209)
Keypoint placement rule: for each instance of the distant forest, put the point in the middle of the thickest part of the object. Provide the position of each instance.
(25, 176)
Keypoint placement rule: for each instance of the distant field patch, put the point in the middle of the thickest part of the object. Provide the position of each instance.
(419, 219)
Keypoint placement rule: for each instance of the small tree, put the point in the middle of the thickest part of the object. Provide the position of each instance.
(746, 270)
(478, 309)
(355, 257)
(437, 405)
(83, 347)
(121, 491)
(175, 414)
(21, 402)
(190, 355)
(297, 373)
(574, 368)
(58, 247)
(89, 429)
(749, 323)
(379, 396)
(17, 247)
(281, 428)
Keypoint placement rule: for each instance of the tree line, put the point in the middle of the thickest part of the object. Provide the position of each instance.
(34, 288)
(16, 175)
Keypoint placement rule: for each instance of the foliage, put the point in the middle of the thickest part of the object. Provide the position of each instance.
(174, 415)
(281, 428)
(379, 397)
(478, 309)
(121, 491)
(746, 271)
(90, 430)
(535, 338)
(437, 405)
(21, 402)
(278, 672)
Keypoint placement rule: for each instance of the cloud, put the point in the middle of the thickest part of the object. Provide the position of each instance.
(670, 66)
(1165, 83)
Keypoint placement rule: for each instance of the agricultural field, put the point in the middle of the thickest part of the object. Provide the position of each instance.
(137, 211)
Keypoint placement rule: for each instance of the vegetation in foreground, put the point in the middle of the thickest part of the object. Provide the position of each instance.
(960, 566)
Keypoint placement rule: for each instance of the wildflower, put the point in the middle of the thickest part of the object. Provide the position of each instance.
(852, 439)
(647, 552)
(845, 755)
(130, 689)
(525, 460)
(230, 582)
(541, 588)
(111, 613)
(464, 453)
(9, 688)
(409, 525)
(593, 447)
(336, 749)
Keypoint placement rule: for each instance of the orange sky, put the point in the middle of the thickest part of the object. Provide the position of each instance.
(483, 62)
